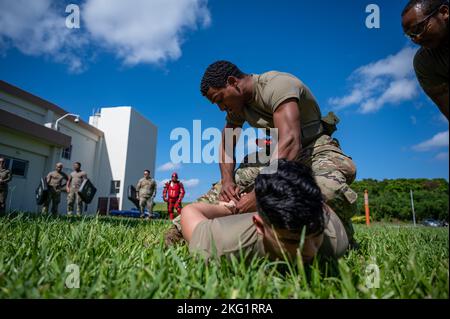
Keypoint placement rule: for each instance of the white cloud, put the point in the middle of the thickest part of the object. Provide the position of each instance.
(437, 141)
(388, 81)
(443, 156)
(169, 166)
(136, 31)
(191, 182)
(143, 31)
(398, 65)
(38, 28)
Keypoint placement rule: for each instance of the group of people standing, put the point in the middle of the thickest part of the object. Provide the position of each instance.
(173, 194)
(58, 182)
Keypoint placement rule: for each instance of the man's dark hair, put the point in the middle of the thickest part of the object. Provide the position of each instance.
(216, 75)
(290, 198)
(427, 5)
(147, 171)
(79, 164)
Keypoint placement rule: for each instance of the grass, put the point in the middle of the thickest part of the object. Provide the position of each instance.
(125, 258)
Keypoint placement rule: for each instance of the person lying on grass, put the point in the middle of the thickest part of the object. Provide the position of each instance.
(289, 202)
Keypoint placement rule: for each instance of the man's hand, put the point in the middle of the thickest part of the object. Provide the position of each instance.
(231, 205)
(229, 191)
(247, 203)
(67, 189)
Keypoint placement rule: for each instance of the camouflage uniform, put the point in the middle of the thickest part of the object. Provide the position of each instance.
(5, 177)
(55, 181)
(332, 169)
(75, 184)
(146, 189)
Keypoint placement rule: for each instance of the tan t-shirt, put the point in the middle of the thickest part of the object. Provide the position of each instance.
(77, 179)
(226, 236)
(431, 67)
(57, 180)
(270, 90)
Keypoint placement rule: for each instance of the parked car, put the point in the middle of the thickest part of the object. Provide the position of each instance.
(430, 222)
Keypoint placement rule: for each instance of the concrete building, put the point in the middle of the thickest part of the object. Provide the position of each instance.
(114, 148)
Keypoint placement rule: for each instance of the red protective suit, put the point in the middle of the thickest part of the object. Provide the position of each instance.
(173, 194)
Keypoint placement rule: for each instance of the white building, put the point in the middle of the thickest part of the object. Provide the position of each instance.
(114, 148)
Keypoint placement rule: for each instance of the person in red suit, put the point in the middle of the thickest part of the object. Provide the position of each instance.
(173, 194)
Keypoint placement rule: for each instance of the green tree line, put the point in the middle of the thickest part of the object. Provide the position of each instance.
(390, 198)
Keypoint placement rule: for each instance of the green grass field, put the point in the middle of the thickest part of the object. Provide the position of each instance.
(125, 258)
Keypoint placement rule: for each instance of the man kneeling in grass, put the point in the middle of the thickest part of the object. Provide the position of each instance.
(288, 202)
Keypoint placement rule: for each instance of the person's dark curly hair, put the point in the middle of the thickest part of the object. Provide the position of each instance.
(290, 198)
(427, 5)
(216, 75)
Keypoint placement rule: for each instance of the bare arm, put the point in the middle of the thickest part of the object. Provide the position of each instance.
(227, 163)
(195, 213)
(287, 120)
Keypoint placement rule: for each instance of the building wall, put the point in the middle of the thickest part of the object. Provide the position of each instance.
(122, 146)
(22, 189)
(115, 123)
(42, 157)
(22, 108)
(141, 152)
(130, 142)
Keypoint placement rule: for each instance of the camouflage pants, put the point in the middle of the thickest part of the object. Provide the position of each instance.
(3, 196)
(146, 202)
(53, 199)
(333, 171)
(73, 198)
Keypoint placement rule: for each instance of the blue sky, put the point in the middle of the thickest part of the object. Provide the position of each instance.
(151, 55)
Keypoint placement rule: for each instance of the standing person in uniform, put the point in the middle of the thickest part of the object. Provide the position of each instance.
(426, 23)
(280, 101)
(56, 181)
(146, 192)
(5, 178)
(76, 178)
(173, 194)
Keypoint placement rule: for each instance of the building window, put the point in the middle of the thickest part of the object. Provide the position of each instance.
(17, 166)
(67, 153)
(115, 187)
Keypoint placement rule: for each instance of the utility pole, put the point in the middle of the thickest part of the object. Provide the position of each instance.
(366, 206)
(412, 206)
